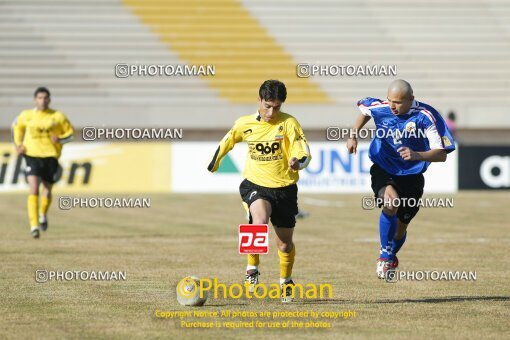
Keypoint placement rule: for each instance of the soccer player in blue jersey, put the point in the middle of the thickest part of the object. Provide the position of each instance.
(410, 135)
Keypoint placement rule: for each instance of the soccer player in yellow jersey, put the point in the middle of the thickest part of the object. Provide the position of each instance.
(38, 135)
(277, 150)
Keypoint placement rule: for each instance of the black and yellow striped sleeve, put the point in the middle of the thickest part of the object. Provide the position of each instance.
(226, 144)
(298, 145)
(66, 131)
(18, 129)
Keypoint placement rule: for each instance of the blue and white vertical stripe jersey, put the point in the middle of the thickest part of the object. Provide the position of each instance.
(421, 129)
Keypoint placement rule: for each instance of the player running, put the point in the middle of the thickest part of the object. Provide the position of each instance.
(38, 135)
(400, 161)
(277, 150)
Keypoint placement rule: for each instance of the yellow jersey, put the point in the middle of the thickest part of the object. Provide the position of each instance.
(34, 128)
(270, 147)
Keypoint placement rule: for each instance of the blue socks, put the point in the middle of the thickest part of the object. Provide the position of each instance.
(387, 228)
(397, 244)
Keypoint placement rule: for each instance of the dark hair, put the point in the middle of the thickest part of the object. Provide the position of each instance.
(41, 89)
(451, 115)
(273, 90)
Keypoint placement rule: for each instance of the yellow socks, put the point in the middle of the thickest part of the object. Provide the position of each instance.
(45, 205)
(286, 263)
(32, 203)
(253, 261)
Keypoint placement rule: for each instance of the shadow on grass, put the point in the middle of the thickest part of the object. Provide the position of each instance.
(445, 299)
(225, 304)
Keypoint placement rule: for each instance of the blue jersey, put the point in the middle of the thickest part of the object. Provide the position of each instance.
(421, 129)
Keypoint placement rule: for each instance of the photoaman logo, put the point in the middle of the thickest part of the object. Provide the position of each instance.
(192, 288)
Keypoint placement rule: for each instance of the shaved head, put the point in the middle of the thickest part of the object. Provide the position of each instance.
(400, 87)
(400, 96)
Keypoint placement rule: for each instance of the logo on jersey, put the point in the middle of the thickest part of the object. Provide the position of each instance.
(278, 137)
(253, 193)
(265, 151)
(248, 131)
(39, 132)
(253, 239)
(411, 127)
(446, 141)
(301, 137)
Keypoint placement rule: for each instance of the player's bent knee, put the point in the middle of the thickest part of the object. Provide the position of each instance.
(260, 218)
(285, 247)
(260, 221)
(390, 204)
(260, 212)
(390, 210)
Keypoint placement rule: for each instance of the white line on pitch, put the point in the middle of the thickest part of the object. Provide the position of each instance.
(322, 203)
(435, 240)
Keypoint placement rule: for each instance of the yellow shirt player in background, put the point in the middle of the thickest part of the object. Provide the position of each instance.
(38, 135)
(277, 150)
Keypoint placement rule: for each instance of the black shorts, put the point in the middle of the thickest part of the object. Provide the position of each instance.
(283, 202)
(45, 167)
(410, 186)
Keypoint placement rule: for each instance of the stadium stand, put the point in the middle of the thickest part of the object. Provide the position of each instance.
(457, 56)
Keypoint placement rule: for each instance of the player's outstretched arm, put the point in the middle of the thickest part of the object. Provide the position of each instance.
(435, 155)
(226, 144)
(18, 133)
(66, 133)
(299, 148)
(440, 142)
(352, 141)
(294, 163)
